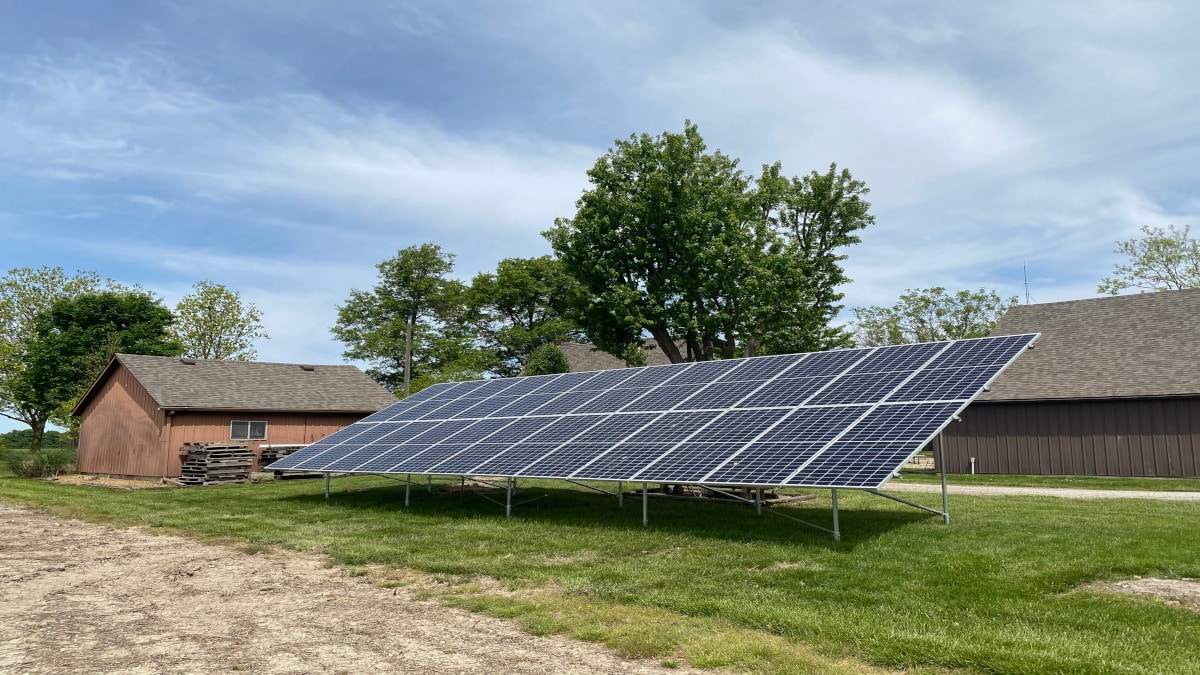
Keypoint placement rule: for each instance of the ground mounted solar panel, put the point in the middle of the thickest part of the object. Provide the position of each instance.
(838, 419)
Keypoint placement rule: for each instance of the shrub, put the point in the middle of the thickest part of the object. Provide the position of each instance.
(547, 360)
(48, 462)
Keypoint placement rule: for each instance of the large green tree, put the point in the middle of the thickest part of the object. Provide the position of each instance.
(522, 306)
(25, 293)
(676, 241)
(930, 315)
(1161, 260)
(74, 339)
(408, 325)
(213, 322)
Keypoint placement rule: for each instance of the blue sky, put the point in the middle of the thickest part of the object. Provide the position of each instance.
(283, 148)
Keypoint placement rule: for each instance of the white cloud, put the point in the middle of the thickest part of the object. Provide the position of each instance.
(137, 117)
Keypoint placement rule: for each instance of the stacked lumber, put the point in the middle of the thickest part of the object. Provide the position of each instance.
(216, 464)
(268, 454)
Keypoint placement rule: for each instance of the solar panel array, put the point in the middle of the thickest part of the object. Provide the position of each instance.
(846, 418)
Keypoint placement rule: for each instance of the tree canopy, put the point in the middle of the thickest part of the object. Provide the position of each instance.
(213, 322)
(930, 315)
(547, 359)
(25, 293)
(676, 241)
(1161, 260)
(521, 307)
(395, 326)
(74, 339)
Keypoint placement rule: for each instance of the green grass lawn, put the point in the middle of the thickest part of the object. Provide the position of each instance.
(1078, 482)
(717, 586)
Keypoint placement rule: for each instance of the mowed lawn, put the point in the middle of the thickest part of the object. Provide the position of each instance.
(715, 585)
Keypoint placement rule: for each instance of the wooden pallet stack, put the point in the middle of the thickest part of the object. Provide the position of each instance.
(268, 453)
(216, 464)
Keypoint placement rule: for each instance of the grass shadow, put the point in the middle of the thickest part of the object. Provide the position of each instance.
(577, 508)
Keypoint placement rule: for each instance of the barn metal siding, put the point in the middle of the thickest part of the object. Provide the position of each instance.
(1135, 437)
(119, 433)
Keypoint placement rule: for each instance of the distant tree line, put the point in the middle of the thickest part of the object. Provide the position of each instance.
(22, 439)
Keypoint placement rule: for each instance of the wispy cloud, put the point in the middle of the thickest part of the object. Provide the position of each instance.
(137, 117)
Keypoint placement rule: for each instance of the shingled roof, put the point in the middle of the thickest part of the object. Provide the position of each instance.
(179, 384)
(1127, 346)
(583, 357)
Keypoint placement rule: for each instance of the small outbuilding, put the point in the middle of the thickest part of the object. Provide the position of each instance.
(1111, 388)
(142, 409)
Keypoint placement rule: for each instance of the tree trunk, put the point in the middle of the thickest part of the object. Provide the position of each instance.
(752, 346)
(39, 432)
(408, 336)
(666, 344)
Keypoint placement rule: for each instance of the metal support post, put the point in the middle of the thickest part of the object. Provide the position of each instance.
(326, 486)
(429, 483)
(407, 488)
(620, 495)
(758, 500)
(645, 505)
(508, 505)
(837, 531)
(945, 492)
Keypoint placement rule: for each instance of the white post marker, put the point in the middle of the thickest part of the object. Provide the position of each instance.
(837, 531)
(945, 493)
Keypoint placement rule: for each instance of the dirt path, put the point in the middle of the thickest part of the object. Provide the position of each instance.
(77, 597)
(1065, 493)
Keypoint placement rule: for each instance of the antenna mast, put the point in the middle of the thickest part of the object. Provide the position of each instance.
(1025, 273)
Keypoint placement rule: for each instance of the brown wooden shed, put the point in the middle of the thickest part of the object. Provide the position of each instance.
(142, 409)
(1112, 388)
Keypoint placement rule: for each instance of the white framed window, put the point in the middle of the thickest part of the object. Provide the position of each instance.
(247, 431)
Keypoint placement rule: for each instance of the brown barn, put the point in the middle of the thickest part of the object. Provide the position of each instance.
(1112, 388)
(142, 409)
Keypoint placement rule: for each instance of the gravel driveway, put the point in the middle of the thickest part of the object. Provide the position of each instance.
(1065, 493)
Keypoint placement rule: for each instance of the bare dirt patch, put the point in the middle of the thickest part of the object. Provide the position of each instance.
(107, 482)
(1175, 592)
(78, 597)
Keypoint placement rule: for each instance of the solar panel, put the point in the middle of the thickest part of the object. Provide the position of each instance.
(846, 418)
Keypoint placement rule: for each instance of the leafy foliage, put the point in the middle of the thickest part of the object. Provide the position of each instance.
(75, 339)
(411, 327)
(676, 241)
(521, 308)
(1162, 260)
(814, 217)
(930, 315)
(53, 461)
(214, 322)
(25, 293)
(547, 360)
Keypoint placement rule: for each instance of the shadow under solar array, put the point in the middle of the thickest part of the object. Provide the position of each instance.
(840, 419)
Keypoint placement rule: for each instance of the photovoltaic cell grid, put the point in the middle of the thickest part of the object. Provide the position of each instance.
(846, 418)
